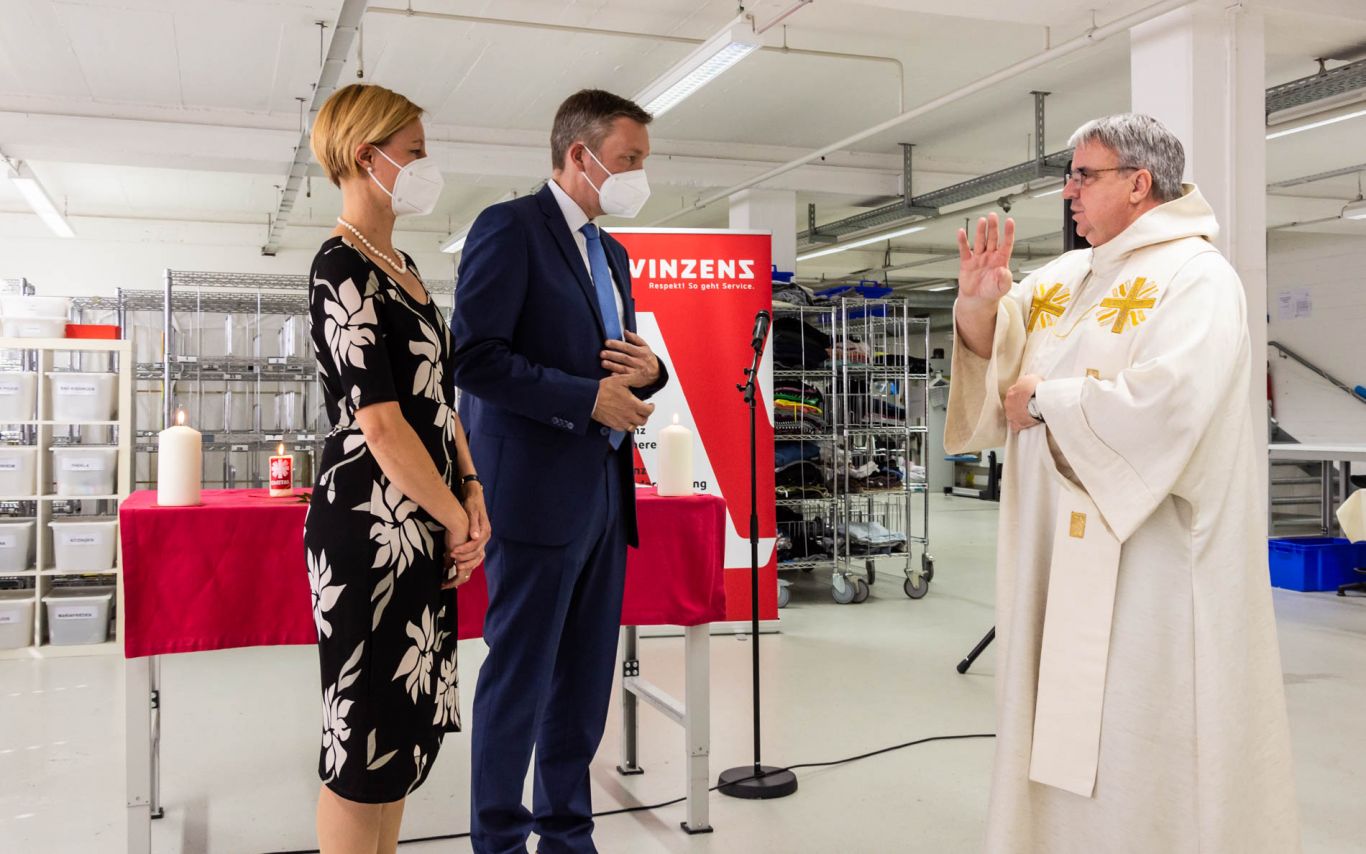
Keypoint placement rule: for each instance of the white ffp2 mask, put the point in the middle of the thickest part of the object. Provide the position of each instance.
(623, 193)
(417, 187)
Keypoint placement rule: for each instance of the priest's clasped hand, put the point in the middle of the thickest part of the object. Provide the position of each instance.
(1017, 403)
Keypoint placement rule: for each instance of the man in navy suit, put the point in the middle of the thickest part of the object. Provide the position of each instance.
(554, 382)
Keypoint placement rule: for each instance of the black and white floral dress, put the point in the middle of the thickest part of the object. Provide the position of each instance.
(386, 630)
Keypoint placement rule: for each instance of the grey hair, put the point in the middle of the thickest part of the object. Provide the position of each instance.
(1141, 142)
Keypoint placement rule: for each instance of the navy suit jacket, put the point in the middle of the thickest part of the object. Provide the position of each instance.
(528, 337)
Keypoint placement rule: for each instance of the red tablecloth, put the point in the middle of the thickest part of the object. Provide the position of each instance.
(231, 573)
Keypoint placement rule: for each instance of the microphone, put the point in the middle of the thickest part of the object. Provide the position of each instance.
(761, 321)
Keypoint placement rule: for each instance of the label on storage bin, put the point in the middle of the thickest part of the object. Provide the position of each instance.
(83, 464)
(8, 541)
(7, 617)
(77, 389)
(80, 540)
(8, 387)
(75, 612)
(10, 464)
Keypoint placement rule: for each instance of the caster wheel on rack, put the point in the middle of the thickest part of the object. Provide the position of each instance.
(808, 569)
(916, 588)
(870, 569)
(784, 596)
(844, 590)
(927, 564)
(861, 591)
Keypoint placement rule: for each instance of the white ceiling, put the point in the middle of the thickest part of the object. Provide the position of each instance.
(187, 109)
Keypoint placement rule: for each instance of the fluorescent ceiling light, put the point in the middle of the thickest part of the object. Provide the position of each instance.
(942, 288)
(1316, 124)
(1355, 210)
(709, 61)
(1039, 194)
(854, 244)
(33, 192)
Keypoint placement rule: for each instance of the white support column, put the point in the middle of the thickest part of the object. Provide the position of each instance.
(769, 210)
(1201, 70)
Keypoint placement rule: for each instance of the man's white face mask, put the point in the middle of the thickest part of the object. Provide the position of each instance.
(623, 193)
(417, 187)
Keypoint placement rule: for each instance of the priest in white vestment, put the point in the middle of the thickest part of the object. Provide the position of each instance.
(1140, 704)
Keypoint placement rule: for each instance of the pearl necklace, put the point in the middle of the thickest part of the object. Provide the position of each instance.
(401, 265)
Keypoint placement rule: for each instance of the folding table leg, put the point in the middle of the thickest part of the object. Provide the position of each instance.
(630, 668)
(697, 724)
(138, 747)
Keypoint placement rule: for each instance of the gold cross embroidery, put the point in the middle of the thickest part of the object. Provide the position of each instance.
(1127, 304)
(1048, 305)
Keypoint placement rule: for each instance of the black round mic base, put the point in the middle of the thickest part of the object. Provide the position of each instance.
(761, 784)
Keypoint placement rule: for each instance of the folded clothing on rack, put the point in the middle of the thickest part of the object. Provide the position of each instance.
(872, 534)
(798, 408)
(797, 493)
(799, 345)
(788, 453)
(790, 293)
(853, 353)
(801, 474)
(799, 537)
(886, 478)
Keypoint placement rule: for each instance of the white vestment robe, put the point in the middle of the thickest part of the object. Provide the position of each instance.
(1140, 704)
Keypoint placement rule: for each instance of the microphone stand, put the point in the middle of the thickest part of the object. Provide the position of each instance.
(757, 781)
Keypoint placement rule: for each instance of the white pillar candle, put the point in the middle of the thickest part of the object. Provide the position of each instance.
(675, 460)
(180, 465)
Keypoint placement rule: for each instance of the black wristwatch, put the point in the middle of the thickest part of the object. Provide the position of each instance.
(471, 478)
(1032, 407)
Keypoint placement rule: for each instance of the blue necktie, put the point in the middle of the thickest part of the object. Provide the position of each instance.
(607, 303)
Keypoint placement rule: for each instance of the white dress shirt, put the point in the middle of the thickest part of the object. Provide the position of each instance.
(577, 219)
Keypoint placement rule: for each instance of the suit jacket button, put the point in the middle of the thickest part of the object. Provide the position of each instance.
(606, 431)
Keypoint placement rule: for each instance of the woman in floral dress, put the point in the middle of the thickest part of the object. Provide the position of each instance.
(397, 517)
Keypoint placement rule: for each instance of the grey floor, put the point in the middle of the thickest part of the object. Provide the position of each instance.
(241, 732)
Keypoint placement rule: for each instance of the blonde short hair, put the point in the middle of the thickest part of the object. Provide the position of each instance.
(356, 115)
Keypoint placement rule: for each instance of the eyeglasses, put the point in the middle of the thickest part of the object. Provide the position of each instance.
(1085, 176)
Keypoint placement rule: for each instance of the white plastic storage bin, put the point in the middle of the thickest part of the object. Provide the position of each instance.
(18, 392)
(78, 615)
(16, 618)
(85, 546)
(18, 471)
(33, 327)
(84, 469)
(29, 307)
(82, 397)
(16, 546)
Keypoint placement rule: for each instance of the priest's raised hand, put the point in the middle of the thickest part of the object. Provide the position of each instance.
(983, 278)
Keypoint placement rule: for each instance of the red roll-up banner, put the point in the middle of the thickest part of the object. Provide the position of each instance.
(696, 295)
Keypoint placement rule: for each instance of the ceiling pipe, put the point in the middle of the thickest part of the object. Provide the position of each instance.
(343, 33)
(1088, 39)
(782, 16)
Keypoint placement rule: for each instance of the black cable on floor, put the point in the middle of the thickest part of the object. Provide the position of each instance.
(659, 806)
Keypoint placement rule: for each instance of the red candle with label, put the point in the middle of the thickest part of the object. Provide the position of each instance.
(281, 474)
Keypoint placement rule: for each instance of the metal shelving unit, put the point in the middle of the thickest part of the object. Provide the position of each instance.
(233, 350)
(868, 511)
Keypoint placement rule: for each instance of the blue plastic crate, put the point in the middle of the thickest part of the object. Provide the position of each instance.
(1315, 563)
